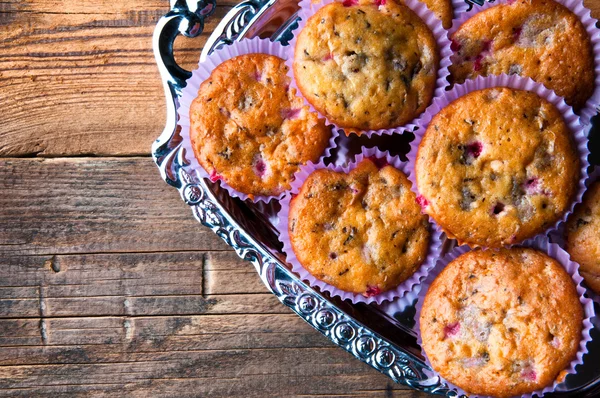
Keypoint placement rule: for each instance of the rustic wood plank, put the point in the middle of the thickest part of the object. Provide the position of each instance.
(225, 273)
(149, 305)
(70, 7)
(91, 205)
(329, 375)
(163, 355)
(207, 353)
(132, 284)
(135, 274)
(80, 78)
(106, 339)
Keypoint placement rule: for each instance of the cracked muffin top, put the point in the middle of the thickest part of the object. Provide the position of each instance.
(362, 232)
(497, 166)
(366, 65)
(502, 323)
(582, 236)
(249, 129)
(540, 39)
(442, 9)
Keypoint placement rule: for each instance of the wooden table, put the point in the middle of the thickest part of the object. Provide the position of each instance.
(99, 293)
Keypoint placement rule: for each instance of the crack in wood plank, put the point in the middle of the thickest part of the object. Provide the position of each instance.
(42, 307)
(128, 326)
(175, 251)
(204, 274)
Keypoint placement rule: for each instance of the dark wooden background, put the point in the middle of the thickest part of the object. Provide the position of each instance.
(100, 293)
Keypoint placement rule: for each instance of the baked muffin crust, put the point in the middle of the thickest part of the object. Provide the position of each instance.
(502, 323)
(361, 232)
(583, 237)
(366, 65)
(248, 128)
(497, 166)
(540, 39)
(441, 9)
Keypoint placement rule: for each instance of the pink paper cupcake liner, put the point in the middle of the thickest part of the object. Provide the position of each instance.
(558, 236)
(556, 252)
(402, 303)
(308, 8)
(282, 227)
(595, 176)
(460, 7)
(573, 122)
(190, 92)
(577, 7)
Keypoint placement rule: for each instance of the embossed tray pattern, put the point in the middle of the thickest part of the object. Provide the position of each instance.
(383, 340)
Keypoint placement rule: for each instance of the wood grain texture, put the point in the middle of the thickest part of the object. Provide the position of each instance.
(79, 77)
(93, 205)
(244, 355)
(224, 347)
(130, 285)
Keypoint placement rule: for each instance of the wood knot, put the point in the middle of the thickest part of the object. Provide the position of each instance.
(53, 264)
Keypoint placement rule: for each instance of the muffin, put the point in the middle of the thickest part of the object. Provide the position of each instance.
(540, 39)
(502, 323)
(497, 166)
(582, 237)
(442, 9)
(248, 128)
(361, 232)
(366, 65)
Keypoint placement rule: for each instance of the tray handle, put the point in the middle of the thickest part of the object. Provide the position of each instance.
(186, 17)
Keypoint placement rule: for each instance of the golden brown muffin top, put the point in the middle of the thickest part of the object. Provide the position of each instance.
(441, 9)
(583, 237)
(361, 232)
(249, 129)
(540, 39)
(366, 66)
(497, 166)
(502, 323)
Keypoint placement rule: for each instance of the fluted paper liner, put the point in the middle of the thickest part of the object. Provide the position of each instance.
(308, 8)
(558, 236)
(400, 304)
(572, 121)
(551, 249)
(578, 8)
(282, 227)
(190, 92)
(459, 8)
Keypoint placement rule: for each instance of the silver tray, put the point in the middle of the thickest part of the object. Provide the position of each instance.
(381, 339)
